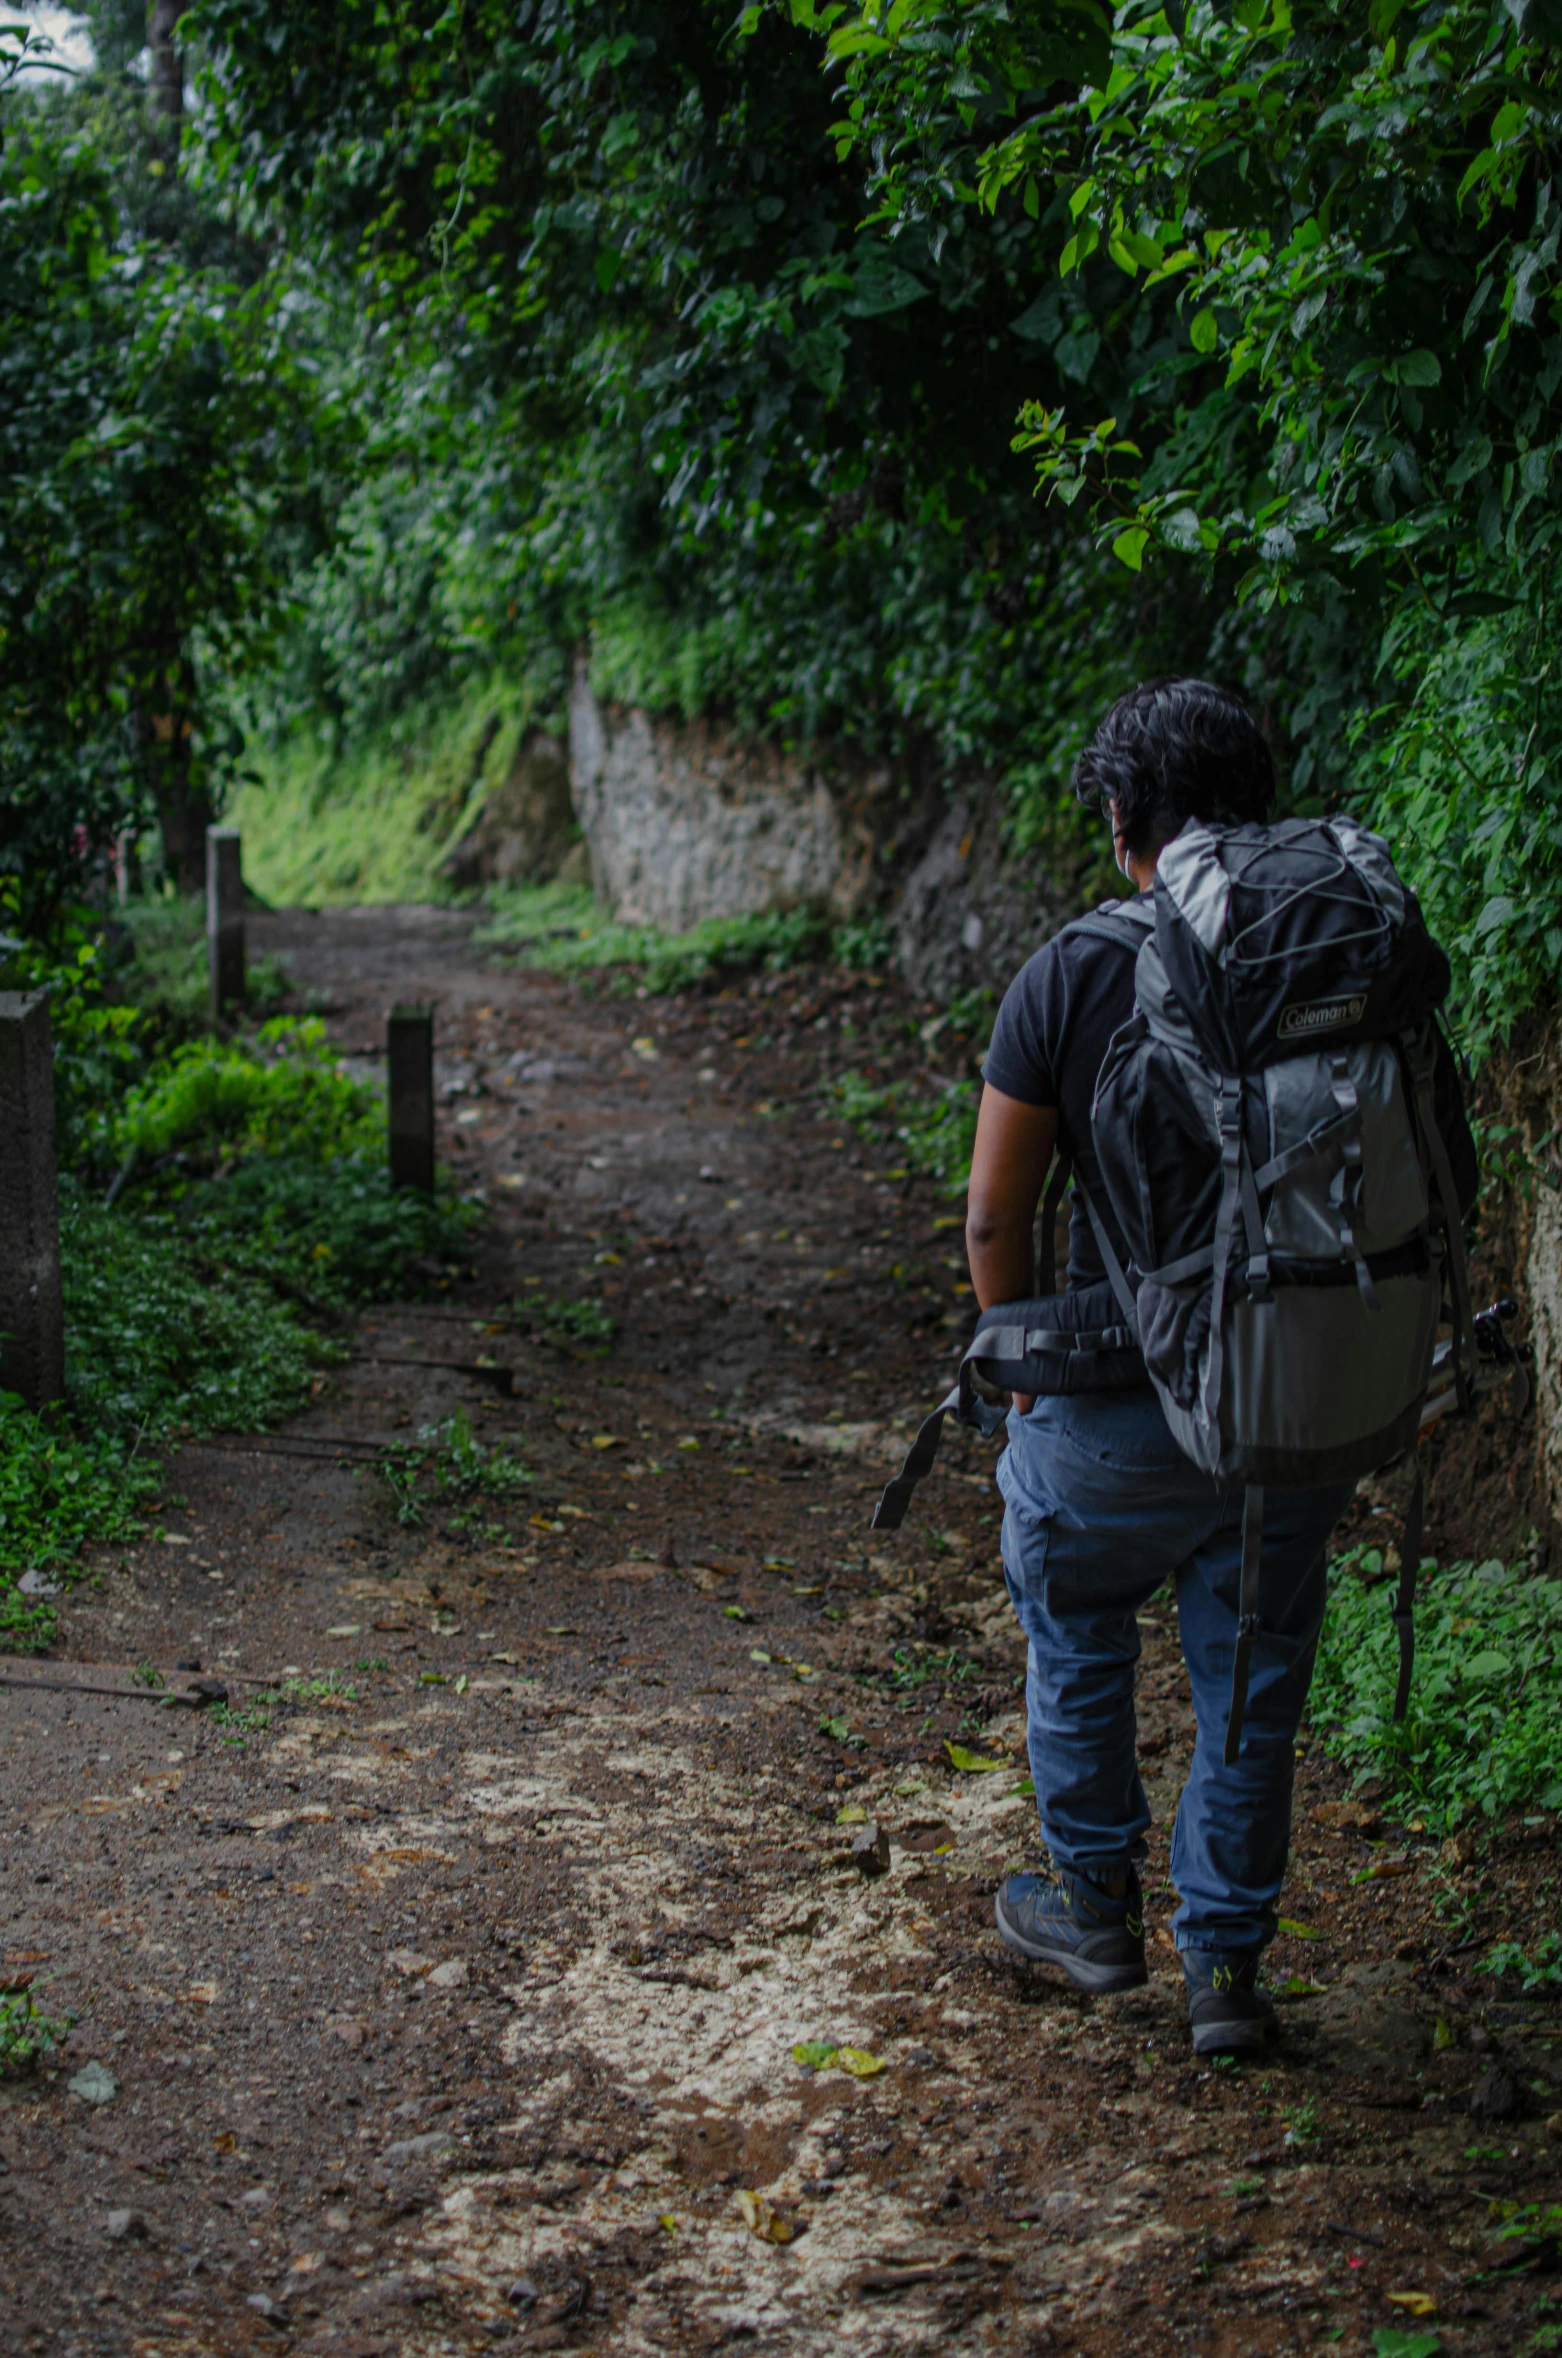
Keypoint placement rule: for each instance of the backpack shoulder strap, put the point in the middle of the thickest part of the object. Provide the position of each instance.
(1124, 922)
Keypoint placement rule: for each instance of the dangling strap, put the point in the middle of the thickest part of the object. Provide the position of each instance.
(1247, 1614)
(1049, 1223)
(1405, 1601)
(1458, 1266)
(890, 1512)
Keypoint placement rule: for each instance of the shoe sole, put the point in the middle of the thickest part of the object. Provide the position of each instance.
(1234, 2038)
(1084, 1972)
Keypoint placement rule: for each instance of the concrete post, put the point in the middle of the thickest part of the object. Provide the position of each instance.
(32, 1322)
(410, 1058)
(224, 919)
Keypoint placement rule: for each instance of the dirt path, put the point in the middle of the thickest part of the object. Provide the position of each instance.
(460, 2010)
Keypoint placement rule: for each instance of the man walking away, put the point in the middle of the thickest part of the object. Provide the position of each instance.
(1101, 1504)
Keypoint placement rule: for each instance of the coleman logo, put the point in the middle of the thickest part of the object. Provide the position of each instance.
(1305, 1016)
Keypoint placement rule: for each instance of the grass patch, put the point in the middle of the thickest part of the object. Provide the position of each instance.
(1483, 1733)
(326, 825)
(562, 929)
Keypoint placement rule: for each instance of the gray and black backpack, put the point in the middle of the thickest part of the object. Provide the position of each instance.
(1266, 1135)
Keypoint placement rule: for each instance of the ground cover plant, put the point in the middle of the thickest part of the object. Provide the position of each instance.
(222, 1201)
(563, 929)
(1482, 1737)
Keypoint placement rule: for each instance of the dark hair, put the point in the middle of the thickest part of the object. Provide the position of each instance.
(1175, 750)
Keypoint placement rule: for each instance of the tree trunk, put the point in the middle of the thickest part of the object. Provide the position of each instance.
(184, 810)
(167, 68)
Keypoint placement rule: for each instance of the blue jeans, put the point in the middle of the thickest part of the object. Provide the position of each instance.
(1101, 1507)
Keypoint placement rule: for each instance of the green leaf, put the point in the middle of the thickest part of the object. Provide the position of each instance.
(1203, 333)
(1419, 368)
(1129, 547)
(813, 2054)
(1393, 2341)
(971, 1762)
(1295, 1931)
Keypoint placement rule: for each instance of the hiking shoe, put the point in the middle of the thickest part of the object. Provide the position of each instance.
(1229, 2010)
(1098, 1941)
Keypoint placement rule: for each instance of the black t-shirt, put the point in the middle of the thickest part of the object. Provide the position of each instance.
(1050, 1041)
(1048, 1046)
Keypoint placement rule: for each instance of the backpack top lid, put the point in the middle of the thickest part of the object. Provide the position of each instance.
(1276, 939)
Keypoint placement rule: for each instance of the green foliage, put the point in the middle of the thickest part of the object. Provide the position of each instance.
(1537, 1969)
(561, 1322)
(451, 1465)
(360, 803)
(164, 976)
(150, 415)
(560, 927)
(27, 2034)
(1483, 1733)
(160, 1336)
(56, 1494)
(932, 1120)
(213, 1102)
(1306, 255)
(330, 1236)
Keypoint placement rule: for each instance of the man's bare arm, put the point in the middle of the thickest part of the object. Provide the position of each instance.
(1014, 1144)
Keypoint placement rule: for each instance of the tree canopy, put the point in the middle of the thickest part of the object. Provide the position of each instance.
(917, 374)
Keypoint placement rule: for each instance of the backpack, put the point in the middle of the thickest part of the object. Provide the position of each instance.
(1265, 1132)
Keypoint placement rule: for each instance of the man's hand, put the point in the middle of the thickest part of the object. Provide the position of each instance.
(1014, 1145)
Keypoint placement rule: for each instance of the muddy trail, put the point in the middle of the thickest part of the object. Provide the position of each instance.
(451, 2001)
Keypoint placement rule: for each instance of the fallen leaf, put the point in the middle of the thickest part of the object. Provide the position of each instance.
(462, 1683)
(510, 1658)
(202, 1993)
(1294, 1986)
(667, 2223)
(1444, 2036)
(606, 1441)
(758, 1654)
(305, 2263)
(1026, 1786)
(763, 2219)
(859, 2062)
(1380, 1870)
(1390, 2342)
(971, 1762)
(1295, 1931)
(851, 1813)
(813, 2054)
(737, 1612)
(1414, 2304)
